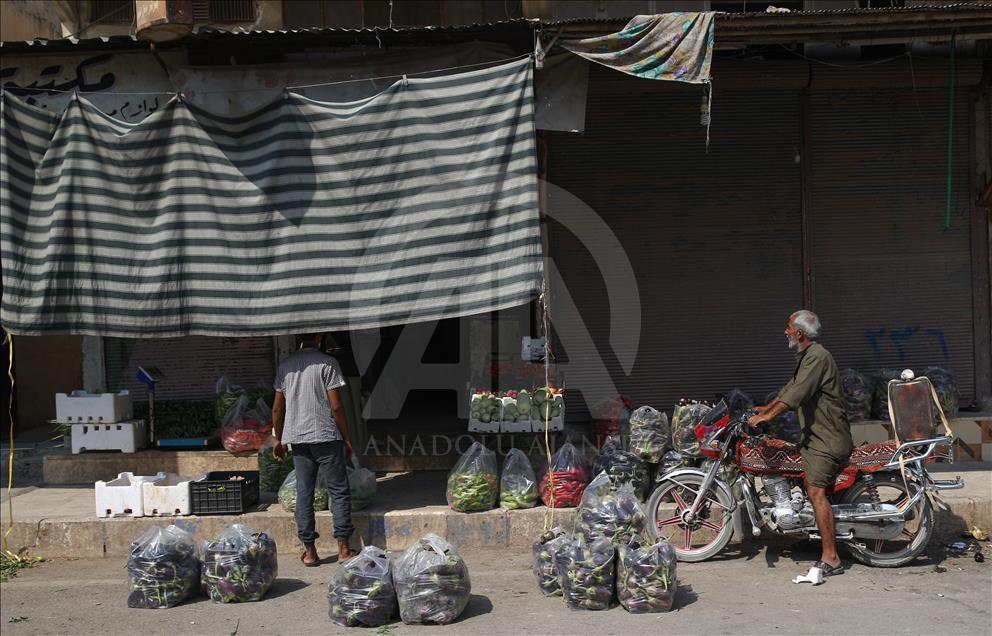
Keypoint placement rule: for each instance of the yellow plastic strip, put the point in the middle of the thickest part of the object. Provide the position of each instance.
(10, 456)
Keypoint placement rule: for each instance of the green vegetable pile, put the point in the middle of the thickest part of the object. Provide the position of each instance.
(432, 584)
(180, 419)
(163, 568)
(543, 405)
(472, 483)
(518, 484)
(587, 574)
(271, 471)
(545, 550)
(287, 495)
(485, 407)
(361, 592)
(646, 579)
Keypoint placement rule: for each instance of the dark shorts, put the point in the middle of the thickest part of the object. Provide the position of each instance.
(821, 469)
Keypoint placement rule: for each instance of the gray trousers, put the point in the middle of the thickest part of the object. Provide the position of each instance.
(324, 463)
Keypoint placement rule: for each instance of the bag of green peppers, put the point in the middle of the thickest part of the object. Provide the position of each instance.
(518, 484)
(287, 495)
(646, 580)
(272, 471)
(472, 483)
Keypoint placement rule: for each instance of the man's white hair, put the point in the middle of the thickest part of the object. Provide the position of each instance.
(807, 322)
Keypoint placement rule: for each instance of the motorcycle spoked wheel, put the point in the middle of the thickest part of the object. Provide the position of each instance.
(915, 535)
(706, 536)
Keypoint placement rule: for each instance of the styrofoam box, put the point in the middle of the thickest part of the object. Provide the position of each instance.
(122, 436)
(478, 426)
(80, 406)
(168, 496)
(512, 427)
(554, 424)
(123, 496)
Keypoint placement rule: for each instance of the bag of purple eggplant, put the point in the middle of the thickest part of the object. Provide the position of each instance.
(646, 580)
(618, 516)
(545, 550)
(587, 573)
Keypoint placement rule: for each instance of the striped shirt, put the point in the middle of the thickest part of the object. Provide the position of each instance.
(304, 379)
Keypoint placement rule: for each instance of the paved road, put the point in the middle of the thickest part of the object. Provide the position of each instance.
(743, 592)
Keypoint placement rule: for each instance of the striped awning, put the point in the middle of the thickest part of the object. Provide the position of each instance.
(416, 204)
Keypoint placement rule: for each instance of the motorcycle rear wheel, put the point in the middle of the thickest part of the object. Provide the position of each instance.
(915, 535)
(705, 537)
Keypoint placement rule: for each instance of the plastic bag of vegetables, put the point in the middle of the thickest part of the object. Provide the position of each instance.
(239, 565)
(361, 591)
(650, 434)
(669, 462)
(646, 580)
(685, 417)
(946, 386)
(738, 401)
(432, 583)
(545, 550)
(163, 568)
(287, 495)
(621, 466)
(362, 484)
(857, 394)
(587, 574)
(565, 479)
(272, 471)
(246, 425)
(785, 427)
(517, 484)
(472, 483)
(880, 393)
(616, 515)
(227, 393)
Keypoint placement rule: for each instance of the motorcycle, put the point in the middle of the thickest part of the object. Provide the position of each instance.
(881, 499)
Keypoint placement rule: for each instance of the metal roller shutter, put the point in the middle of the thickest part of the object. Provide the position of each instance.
(714, 239)
(891, 284)
(192, 365)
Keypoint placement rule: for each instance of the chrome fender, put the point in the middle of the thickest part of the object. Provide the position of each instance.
(735, 510)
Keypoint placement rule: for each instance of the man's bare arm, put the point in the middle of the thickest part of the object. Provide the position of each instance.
(340, 417)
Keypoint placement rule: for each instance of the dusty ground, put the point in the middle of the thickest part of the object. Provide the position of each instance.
(741, 592)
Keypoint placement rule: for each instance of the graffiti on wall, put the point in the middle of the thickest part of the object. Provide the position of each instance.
(900, 340)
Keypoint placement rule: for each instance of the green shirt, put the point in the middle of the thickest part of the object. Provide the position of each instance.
(816, 392)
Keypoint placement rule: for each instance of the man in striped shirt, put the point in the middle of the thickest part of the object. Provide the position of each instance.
(308, 414)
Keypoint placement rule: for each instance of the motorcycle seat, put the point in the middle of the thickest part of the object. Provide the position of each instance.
(777, 457)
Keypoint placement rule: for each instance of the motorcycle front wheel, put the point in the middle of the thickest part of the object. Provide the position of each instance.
(707, 534)
(915, 534)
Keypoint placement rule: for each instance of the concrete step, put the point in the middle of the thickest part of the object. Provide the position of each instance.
(60, 522)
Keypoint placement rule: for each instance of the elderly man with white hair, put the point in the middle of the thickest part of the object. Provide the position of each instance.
(815, 390)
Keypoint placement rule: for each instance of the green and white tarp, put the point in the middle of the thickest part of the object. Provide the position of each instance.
(416, 204)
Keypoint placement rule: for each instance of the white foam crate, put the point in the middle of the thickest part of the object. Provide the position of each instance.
(554, 424)
(478, 426)
(123, 495)
(123, 436)
(167, 497)
(80, 406)
(512, 427)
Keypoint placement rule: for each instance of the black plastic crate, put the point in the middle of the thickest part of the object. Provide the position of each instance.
(218, 494)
